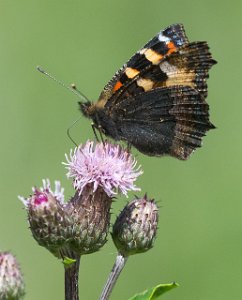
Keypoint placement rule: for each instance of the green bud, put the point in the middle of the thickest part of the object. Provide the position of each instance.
(135, 228)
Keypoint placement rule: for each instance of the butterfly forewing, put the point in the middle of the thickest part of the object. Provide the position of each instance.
(156, 102)
(162, 45)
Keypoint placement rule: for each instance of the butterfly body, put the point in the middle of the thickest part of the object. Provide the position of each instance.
(156, 102)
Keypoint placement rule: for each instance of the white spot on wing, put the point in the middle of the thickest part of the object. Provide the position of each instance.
(163, 38)
(142, 51)
(168, 68)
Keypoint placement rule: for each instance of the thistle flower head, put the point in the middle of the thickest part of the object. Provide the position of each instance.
(135, 228)
(11, 278)
(102, 165)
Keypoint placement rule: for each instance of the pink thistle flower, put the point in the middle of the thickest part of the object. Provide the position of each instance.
(102, 165)
(44, 195)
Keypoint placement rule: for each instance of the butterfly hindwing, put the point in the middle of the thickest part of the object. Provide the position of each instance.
(163, 121)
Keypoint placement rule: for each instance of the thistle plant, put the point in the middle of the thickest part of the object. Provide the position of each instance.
(99, 172)
(70, 229)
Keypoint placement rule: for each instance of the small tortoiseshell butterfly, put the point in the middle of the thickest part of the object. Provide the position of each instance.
(156, 101)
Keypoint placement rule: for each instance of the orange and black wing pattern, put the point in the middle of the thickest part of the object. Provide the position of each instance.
(156, 101)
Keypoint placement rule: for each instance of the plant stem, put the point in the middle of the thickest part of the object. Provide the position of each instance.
(71, 280)
(113, 276)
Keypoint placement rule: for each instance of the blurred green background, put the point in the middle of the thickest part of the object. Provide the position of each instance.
(199, 242)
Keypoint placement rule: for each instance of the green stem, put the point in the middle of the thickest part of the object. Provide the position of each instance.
(113, 276)
(71, 280)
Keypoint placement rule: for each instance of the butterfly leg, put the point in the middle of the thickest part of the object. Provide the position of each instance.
(95, 132)
(69, 131)
(129, 147)
(101, 135)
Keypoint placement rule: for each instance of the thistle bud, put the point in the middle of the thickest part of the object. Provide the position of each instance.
(89, 213)
(135, 228)
(47, 217)
(11, 278)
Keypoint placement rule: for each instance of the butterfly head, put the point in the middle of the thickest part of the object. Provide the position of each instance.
(87, 108)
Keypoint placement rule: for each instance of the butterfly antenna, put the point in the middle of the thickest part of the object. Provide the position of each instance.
(74, 87)
(71, 88)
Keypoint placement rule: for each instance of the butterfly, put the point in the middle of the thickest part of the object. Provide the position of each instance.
(156, 101)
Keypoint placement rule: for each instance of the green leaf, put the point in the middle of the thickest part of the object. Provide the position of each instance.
(155, 292)
(67, 261)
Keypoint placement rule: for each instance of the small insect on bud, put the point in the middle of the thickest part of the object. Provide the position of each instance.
(46, 216)
(11, 278)
(135, 228)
